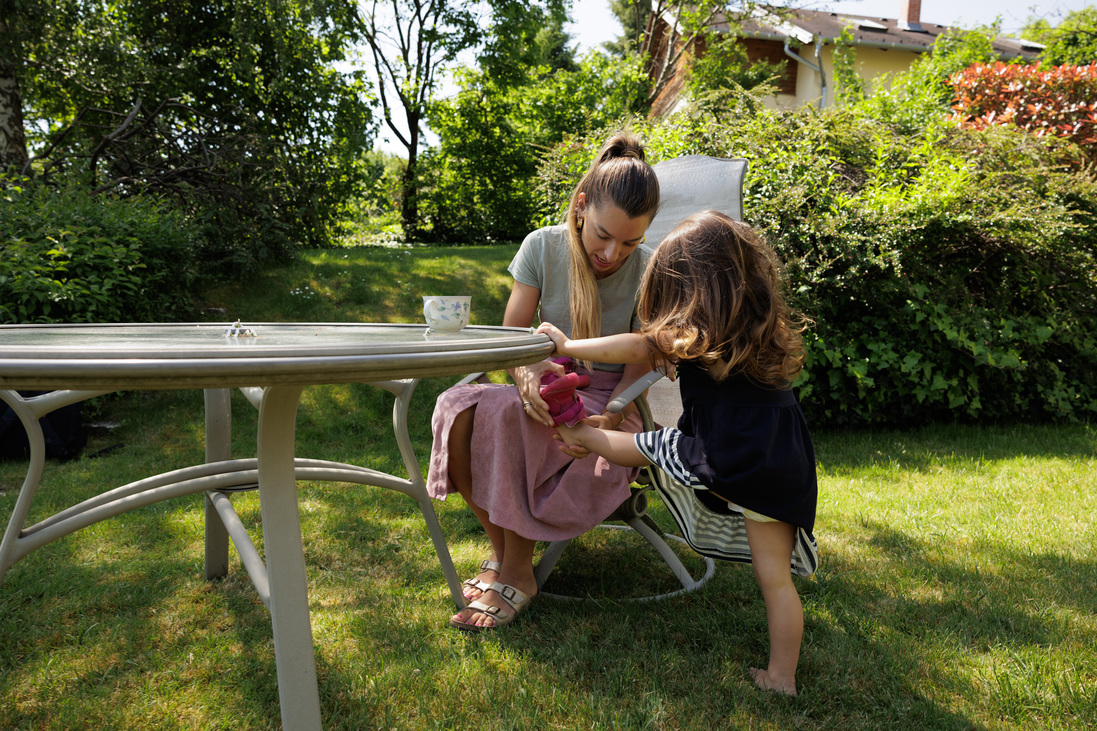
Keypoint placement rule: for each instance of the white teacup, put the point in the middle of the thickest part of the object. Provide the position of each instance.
(446, 313)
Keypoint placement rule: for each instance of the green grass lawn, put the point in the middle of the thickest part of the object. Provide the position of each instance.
(958, 585)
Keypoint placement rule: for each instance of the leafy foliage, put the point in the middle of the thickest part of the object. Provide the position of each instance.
(483, 173)
(675, 30)
(1060, 101)
(950, 272)
(722, 63)
(917, 98)
(850, 85)
(411, 41)
(234, 110)
(633, 15)
(66, 256)
(1073, 41)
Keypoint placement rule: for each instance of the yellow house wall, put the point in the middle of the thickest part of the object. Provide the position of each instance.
(872, 65)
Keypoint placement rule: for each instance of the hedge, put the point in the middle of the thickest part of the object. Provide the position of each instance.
(950, 273)
(66, 256)
(1060, 101)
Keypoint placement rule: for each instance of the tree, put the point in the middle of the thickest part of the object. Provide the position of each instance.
(633, 16)
(13, 143)
(411, 41)
(57, 57)
(24, 31)
(481, 178)
(673, 31)
(236, 109)
(1073, 41)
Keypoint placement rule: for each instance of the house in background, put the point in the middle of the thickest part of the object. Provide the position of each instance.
(806, 40)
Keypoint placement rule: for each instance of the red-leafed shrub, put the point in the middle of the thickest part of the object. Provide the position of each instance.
(1061, 101)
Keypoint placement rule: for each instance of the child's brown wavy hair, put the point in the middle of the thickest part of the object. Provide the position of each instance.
(712, 294)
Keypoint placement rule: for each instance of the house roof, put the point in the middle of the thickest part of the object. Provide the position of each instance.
(804, 25)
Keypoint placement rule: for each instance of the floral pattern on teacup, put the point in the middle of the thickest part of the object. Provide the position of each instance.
(459, 310)
(446, 313)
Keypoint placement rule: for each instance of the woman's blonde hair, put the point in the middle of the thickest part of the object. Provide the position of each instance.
(712, 294)
(619, 176)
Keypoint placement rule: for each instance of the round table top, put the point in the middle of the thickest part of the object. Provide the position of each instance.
(186, 355)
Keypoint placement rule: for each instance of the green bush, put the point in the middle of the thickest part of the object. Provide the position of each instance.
(919, 98)
(66, 256)
(950, 273)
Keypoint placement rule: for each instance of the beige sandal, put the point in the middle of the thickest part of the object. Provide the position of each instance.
(475, 583)
(515, 598)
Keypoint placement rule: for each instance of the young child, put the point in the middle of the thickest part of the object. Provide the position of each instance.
(741, 460)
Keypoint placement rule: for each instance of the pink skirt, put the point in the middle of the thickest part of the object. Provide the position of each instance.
(519, 475)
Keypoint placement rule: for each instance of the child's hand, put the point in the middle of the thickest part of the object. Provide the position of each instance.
(605, 420)
(555, 334)
(566, 435)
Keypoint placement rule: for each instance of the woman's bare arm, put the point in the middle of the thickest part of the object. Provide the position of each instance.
(521, 311)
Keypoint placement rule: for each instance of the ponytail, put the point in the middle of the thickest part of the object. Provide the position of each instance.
(619, 176)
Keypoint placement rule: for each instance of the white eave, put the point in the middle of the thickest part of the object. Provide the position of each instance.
(805, 37)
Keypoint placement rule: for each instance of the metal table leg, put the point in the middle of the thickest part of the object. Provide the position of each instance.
(29, 410)
(218, 449)
(289, 605)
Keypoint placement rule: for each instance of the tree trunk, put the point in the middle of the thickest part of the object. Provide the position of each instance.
(409, 213)
(13, 141)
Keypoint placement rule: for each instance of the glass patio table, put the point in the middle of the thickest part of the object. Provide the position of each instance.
(75, 362)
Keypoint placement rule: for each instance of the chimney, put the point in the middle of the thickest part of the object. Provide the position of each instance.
(910, 12)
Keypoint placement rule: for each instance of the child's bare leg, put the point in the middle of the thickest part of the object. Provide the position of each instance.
(771, 554)
(616, 446)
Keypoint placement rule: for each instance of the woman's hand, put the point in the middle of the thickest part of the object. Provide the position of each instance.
(528, 381)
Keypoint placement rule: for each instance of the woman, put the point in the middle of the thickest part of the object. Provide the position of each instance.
(494, 444)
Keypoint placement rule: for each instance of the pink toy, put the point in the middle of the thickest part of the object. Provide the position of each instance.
(565, 406)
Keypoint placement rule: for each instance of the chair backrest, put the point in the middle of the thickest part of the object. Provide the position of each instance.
(687, 185)
(693, 183)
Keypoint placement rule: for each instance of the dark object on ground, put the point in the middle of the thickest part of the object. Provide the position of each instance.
(63, 430)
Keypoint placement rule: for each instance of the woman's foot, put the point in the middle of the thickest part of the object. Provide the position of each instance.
(504, 606)
(764, 681)
(489, 573)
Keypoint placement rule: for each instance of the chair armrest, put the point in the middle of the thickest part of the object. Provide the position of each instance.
(470, 378)
(629, 394)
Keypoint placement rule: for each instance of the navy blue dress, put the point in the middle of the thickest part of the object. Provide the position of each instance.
(750, 445)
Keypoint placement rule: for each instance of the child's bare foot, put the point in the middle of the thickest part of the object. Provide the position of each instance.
(764, 682)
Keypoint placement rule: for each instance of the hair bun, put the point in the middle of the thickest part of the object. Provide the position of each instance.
(622, 144)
